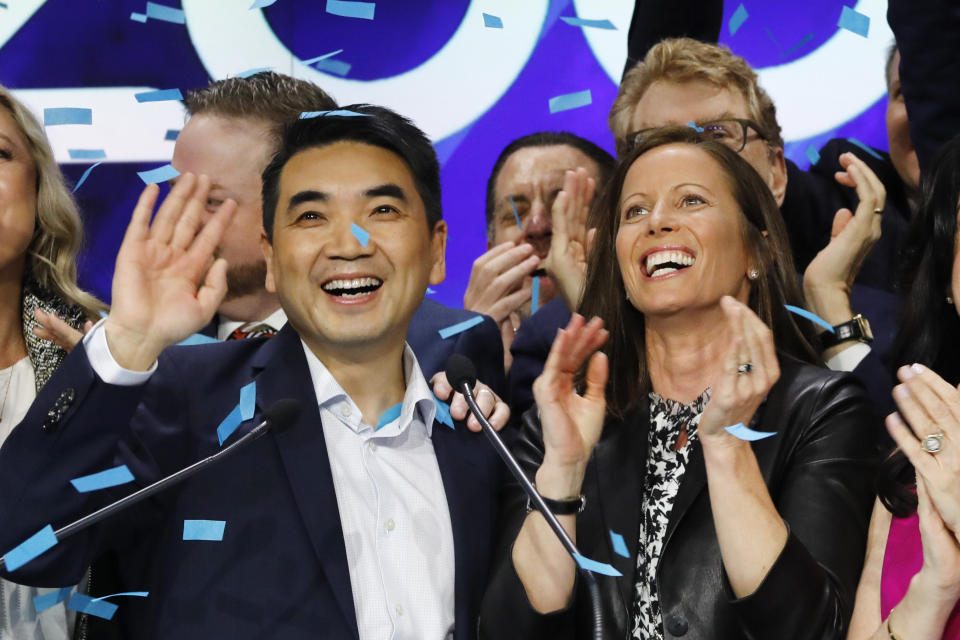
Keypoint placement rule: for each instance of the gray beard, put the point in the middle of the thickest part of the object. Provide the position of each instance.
(246, 279)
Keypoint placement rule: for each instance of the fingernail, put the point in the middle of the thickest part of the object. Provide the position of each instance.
(918, 368)
(906, 373)
(900, 391)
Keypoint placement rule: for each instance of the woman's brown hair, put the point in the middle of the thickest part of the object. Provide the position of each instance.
(764, 236)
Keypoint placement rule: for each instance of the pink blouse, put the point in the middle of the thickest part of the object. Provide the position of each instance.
(902, 560)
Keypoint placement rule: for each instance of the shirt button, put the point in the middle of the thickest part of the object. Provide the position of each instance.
(373, 446)
(399, 610)
(345, 410)
(390, 524)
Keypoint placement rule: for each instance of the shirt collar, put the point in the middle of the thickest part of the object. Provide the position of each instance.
(418, 399)
(276, 320)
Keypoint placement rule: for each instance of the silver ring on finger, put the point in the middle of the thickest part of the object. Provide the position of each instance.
(932, 443)
(878, 210)
(744, 368)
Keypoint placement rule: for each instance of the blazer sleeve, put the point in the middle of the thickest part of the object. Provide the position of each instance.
(506, 612)
(78, 425)
(926, 34)
(825, 497)
(653, 21)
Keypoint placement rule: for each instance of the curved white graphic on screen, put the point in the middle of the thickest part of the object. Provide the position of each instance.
(15, 14)
(444, 94)
(816, 93)
(126, 130)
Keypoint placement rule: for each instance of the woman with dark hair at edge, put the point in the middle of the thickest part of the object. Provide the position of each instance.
(40, 236)
(725, 538)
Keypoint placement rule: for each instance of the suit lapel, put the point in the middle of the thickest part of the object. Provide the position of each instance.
(303, 452)
(619, 461)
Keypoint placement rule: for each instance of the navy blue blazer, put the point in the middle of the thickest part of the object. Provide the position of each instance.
(481, 343)
(281, 569)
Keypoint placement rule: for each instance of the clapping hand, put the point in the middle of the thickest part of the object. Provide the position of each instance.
(750, 369)
(570, 241)
(166, 284)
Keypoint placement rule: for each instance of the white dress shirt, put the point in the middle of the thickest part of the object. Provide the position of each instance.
(849, 358)
(390, 495)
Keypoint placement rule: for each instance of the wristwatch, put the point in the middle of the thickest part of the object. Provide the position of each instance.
(856, 329)
(568, 507)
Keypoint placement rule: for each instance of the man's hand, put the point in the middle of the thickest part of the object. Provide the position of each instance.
(570, 243)
(493, 408)
(166, 283)
(496, 281)
(56, 330)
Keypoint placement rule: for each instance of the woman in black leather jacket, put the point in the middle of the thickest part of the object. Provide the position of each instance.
(724, 537)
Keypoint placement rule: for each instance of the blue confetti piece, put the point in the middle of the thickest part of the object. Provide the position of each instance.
(807, 38)
(361, 234)
(323, 57)
(516, 216)
(165, 13)
(211, 530)
(160, 95)
(535, 295)
(229, 424)
(160, 174)
(52, 599)
(861, 145)
(460, 327)
(743, 432)
(3, 5)
(86, 604)
(262, 4)
(342, 113)
(770, 35)
(595, 567)
(569, 101)
(810, 316)
(197, 338)
(389, 416)
(253, 72)
(30, 548)
(172, 134)
(87, 154)
(86, 174)
(492, 22)
(693, 125)
(595, 24)
(854, 21)
(248, 400)
(136, 594)
(67, 115)
(430, 291)
(737, 19)
(104, 479)
(139, 17)
(812, 154)
(619, 545)
(443, 412)
(348, 9)
(336, 67)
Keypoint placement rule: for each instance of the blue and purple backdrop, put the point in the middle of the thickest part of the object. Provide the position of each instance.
(471, 86)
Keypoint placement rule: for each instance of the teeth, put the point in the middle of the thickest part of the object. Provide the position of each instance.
(355, 283)
(654, 260)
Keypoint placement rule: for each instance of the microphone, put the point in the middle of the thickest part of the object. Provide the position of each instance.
(462, 375)
(278, 416)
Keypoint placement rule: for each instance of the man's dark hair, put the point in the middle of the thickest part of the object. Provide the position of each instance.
(379, 127)
(272, 97)
(604, 161)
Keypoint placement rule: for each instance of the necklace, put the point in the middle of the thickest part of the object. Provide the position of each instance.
(6, 391)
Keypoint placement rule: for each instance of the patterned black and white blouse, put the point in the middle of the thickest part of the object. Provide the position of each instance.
(665, 466)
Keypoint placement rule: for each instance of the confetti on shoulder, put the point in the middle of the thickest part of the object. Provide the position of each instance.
(160, 174)
(30, 548)
(460, 327)
(209, 530)
(103, 480)
(569, 101)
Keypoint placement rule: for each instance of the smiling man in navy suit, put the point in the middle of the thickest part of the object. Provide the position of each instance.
(368, 517)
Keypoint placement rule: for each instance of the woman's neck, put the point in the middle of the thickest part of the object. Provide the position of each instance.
(685, 352)
(12, 346)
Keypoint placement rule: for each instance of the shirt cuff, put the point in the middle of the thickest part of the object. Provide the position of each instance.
(849, 358)
(108, 370)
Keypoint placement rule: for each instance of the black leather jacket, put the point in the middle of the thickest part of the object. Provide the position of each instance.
(819, 470)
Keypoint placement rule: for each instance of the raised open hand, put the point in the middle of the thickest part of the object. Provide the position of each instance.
(570, 243)
(166, 284)
(750, 369)
(932, 408)
(572, 423)
(828, 277)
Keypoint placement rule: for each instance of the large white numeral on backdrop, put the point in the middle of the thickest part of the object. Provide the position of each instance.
(444, 94)
(816, 93)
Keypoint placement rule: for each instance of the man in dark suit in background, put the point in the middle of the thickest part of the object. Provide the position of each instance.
(368, 517)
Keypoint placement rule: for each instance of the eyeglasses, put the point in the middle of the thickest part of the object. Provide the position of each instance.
(732, 132)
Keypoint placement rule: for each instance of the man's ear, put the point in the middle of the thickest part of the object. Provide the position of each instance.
(267, 248)
(778, 174)
(438, 250)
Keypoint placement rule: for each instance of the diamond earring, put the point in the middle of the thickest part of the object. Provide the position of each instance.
(753, 274)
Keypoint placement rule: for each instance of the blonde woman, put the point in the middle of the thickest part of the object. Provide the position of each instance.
(40, 235)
